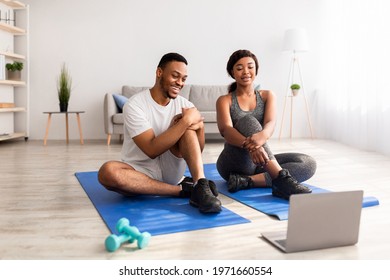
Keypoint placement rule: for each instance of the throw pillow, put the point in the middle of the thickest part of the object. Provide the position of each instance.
(120, 101)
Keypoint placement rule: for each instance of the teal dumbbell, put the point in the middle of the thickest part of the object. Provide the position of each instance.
(128, 233)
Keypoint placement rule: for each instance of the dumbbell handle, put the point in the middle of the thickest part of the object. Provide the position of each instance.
(123, 227)
(130, 230)
(142, 238)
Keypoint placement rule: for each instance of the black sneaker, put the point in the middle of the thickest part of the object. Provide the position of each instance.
(187, 185)
(285, 185)
(203, 198)
(239, 182)
(213, 188)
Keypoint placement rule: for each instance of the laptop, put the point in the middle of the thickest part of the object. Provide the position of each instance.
(319, 221)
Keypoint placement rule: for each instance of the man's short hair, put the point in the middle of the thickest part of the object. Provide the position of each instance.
(169, 57)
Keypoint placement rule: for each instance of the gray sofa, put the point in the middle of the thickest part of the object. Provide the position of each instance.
(203, 97)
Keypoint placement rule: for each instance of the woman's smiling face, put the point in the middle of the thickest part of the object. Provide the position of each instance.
(244, 71)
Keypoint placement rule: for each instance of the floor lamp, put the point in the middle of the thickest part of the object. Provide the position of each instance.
(295, 40)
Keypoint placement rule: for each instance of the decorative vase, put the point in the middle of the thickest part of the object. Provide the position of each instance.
(63, 107)
(14, 75)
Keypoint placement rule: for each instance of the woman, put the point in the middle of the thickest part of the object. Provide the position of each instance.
(246, 119)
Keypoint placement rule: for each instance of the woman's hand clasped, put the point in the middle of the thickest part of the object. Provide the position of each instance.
(259, 157)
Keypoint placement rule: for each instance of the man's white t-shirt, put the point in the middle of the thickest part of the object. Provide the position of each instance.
(141, 113)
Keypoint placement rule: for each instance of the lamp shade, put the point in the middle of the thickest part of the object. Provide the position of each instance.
(295, 40)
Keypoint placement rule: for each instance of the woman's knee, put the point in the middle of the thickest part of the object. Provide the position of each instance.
(311, 164)
(301, 166)
(248, 125)
(222, 170)
(308, 161)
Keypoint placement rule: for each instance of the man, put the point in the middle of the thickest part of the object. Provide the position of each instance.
(163, 133)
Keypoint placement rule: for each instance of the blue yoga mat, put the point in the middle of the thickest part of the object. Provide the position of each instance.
(154, 214)
(262, 199)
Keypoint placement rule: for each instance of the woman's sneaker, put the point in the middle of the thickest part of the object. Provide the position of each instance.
(203, 198)
(239, 182)
(285, 185)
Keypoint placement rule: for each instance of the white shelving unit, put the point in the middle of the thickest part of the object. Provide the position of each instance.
(14, 46)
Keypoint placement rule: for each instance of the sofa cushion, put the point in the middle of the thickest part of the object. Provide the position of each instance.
(205, 97)
(209, 116)
(117, 118)
(129, 91)
(120, 101)
(185, 92)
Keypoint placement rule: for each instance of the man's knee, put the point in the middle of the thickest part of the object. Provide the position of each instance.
(189, 133)
(106, 174)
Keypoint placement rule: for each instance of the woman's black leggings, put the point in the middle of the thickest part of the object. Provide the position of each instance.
(236, 160)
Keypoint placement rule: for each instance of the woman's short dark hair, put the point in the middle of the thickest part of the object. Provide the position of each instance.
(169, 57)
(236, 56)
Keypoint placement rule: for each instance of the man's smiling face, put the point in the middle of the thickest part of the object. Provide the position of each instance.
(172, 78)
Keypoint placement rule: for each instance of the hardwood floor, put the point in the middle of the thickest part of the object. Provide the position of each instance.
(45, 214)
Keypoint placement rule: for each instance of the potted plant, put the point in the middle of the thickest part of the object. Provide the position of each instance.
(295, 89)
(64, 88)
(13, 70)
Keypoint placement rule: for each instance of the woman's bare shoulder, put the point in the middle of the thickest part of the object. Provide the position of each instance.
(266, 94)
(225, 98)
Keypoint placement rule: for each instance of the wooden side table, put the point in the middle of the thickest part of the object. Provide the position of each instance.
(66, 124)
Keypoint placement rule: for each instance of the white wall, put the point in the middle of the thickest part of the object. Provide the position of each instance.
(107, 44)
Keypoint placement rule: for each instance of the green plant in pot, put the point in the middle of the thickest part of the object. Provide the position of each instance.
(295, 89)
(14, 70)
(64, 88)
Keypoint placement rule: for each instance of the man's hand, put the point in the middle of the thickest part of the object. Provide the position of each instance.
(176, 119)
(194, 126)
(197, 126)
(191, 116)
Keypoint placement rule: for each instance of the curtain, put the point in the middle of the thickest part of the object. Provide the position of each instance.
(353, 102)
